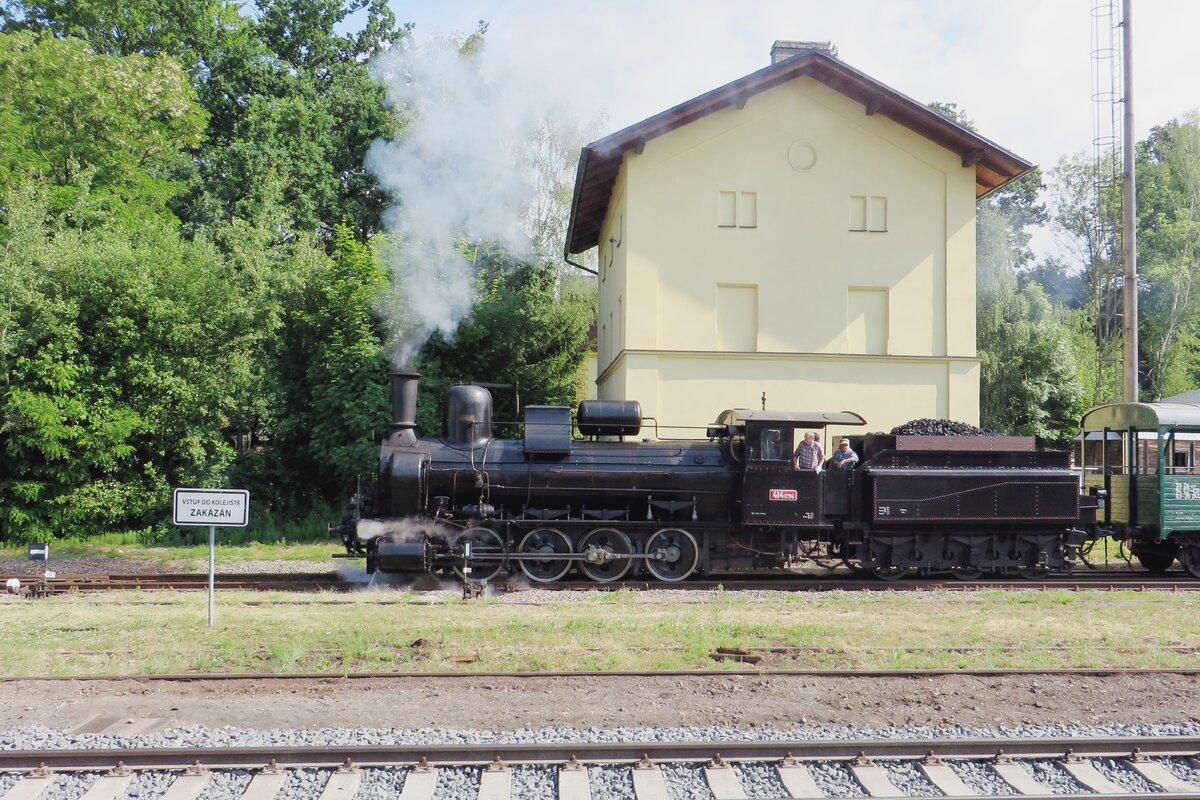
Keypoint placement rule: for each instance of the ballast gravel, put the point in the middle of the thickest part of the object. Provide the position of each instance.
(7, 781)
(456, 783)
(1054, 777)
(686, 781)
(381, 783)
(70, 786)
(981, 778)
(303, 784)
(1181, 768)
(535, 783)
(834, 780)
(1123, 776)
(150, 785)
(610, 783)
(906, 777)
(760, 780)
(227, 784)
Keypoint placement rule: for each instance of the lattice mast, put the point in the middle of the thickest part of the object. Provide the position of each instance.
(1104, 272)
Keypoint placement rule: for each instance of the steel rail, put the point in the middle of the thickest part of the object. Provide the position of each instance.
(596, 752)
(308, 582)
(998, 672)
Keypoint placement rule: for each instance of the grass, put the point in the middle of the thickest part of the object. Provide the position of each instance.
(185, 554)
(390, 631)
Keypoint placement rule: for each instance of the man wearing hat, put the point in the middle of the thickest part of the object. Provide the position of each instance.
(844, 458)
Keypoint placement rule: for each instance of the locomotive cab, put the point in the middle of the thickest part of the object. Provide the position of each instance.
(774, 492)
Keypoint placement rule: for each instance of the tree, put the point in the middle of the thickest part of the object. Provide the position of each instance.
(1168, 205)
(104, 132)
(1086, 218)
(121, 353)
(287, 92)
(521, 331)
(1028, 381)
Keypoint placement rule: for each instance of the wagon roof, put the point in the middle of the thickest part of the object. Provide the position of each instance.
(1121, 416)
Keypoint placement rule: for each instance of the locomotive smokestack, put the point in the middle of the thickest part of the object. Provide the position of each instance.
(404, 408)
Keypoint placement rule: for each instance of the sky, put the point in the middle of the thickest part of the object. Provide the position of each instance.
(1021, 69)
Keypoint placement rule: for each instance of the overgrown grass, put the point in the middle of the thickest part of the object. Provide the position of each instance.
(394, 631)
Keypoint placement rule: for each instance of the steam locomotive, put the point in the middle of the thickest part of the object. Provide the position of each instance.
(585, 495)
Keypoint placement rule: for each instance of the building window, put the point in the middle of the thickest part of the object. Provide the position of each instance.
(747, 213)
(737, 318)
(737, 209)
(727, 209)
(867, 321)
(877, 214)
(868, 213)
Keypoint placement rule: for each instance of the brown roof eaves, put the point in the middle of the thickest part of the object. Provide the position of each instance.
(600, 161)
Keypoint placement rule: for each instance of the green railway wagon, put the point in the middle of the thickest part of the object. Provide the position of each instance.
(1142, 457)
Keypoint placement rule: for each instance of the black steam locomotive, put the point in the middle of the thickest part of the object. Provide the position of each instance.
(584, 495)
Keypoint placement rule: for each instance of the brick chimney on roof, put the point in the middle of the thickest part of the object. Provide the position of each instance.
(784, 49)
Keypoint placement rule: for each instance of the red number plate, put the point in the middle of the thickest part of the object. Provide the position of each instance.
(784, 494)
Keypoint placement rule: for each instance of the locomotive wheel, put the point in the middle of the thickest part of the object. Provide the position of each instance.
(611, 542)
(1189, 554)
(855, 567)
(548, 541)
(682, 554)
(484, 541)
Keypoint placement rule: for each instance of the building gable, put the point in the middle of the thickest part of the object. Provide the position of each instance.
(600, 161)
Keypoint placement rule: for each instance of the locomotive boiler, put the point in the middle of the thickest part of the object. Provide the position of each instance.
(583, 494)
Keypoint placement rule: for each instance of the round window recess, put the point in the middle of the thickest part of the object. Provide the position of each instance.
(802, 156)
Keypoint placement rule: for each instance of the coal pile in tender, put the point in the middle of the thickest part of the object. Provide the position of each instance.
(939, 427)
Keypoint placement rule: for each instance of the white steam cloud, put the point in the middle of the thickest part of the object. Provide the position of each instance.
(456, 174)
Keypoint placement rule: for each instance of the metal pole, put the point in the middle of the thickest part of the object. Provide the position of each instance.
(212, 572)
(1130, 322)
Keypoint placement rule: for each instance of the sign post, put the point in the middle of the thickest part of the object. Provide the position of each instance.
(216, 508)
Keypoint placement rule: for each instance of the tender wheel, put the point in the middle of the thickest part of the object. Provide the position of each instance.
(1156, 556)
(681, 552)
(550, 542)
(889, 573)
(487, 554)
(601, 549)
(1189, 554)
(967, 574)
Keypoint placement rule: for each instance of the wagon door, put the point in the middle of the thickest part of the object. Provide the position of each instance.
(773, 493)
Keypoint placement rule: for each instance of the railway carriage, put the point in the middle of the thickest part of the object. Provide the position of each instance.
(583, 495)
(1142, 457)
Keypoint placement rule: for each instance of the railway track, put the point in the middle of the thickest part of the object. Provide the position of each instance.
(1112, 768)
(40, 586)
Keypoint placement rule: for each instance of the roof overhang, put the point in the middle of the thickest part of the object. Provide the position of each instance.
(600, 161)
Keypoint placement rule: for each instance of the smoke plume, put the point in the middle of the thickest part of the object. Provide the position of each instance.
(455, 175)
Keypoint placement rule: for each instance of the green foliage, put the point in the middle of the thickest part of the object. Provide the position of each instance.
(104, 132)
(293, 106)
(1028, 382)
(113, 387)
(1169, 256)
(525, 329)
(328, 387)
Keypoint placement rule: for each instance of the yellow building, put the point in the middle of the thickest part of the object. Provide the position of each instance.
(804, 232)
